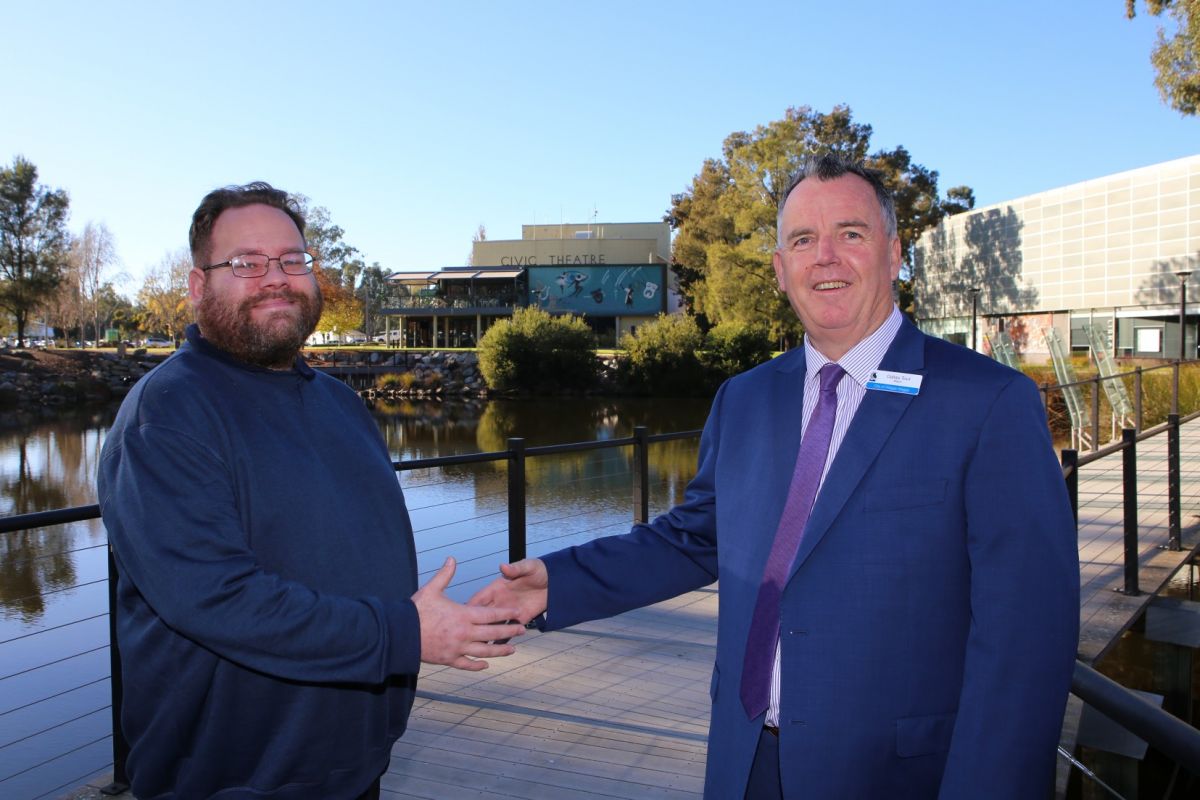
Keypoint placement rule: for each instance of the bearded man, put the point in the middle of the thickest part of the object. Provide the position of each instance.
(269, 621)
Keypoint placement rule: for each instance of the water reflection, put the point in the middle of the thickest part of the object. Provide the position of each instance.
(50, 466)
(462, 510)
(53, 581)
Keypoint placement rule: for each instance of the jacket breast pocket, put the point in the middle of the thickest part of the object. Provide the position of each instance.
(922, 736)
(899, 496)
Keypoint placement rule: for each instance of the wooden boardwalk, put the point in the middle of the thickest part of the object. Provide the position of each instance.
(619, 708)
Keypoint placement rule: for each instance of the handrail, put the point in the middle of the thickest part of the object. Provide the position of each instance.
(1168, 734)
(1165, 732)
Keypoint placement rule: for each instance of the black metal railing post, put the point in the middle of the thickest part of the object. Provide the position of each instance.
(516, 499)
(1096, 413)
(120, 746)
(1137, 398)
(1070, 466)
(1129, 481)
(641, 474)
(1174, 516)
(1175, 388)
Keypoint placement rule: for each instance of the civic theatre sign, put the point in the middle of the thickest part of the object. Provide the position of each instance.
(531, 261)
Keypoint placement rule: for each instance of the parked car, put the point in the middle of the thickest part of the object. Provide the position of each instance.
(157, 343)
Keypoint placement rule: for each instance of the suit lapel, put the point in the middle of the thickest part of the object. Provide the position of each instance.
(784, 410)
(873, 423)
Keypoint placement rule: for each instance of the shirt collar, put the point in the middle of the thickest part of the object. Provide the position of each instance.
(862, 359)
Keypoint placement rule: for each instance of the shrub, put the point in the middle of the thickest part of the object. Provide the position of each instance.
(733, 347)
(663, 358)
(536, 352)
(393, 381)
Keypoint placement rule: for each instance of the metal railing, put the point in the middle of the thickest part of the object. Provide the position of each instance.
(1165, 732)
(516, 455)
(1099, 384)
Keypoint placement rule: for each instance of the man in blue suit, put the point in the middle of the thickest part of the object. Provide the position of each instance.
(919, 636)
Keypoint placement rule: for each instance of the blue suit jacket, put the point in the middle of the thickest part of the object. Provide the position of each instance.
(929, 625)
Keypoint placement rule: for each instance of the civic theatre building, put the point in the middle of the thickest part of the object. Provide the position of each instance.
(1116, 253)
(613, 275)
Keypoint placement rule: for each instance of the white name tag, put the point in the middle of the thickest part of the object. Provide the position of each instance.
(899, 382)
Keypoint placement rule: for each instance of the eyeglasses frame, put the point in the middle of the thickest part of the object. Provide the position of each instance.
(308, 264)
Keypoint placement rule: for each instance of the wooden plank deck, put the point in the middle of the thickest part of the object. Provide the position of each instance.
(616, 708)
(619, 708)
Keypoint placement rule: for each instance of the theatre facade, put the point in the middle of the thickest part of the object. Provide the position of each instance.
(614, 276)
(1116, 257)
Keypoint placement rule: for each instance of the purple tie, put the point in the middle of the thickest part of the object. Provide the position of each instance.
(810, 463)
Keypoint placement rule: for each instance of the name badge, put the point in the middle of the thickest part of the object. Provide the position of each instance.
(899, 382)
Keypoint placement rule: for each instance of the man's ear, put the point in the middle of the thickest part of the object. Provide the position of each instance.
(197, 279)
(777, 263)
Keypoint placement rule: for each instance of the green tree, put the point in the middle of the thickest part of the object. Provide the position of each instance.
(327, 244)
(373, 288)
(725, 222)
(1176, 58)
(34, 243)
(535, 352)
(731, 348)
(663, 358)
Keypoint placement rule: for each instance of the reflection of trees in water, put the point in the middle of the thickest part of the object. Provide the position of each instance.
(428, 428)
(50, 467)
(420, 429)
(558, 421)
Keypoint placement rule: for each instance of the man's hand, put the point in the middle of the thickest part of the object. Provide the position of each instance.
(523, 585)
(456, 635)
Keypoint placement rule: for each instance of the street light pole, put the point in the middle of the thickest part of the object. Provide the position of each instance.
(1183, 275)
(974, 290)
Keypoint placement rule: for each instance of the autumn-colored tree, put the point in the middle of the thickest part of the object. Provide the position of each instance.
(163, 298)
(343, 311)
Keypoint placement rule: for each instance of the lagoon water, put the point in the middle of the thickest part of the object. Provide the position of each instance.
(54, 687)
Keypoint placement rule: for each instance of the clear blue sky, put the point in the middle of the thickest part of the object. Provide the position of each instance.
(415, 123)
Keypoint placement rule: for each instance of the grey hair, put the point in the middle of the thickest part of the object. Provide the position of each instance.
(828, 167)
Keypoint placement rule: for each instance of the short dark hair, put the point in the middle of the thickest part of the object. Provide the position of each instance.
(221, 200)
(829, 167)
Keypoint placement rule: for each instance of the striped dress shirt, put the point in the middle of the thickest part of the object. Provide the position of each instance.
(858, 362)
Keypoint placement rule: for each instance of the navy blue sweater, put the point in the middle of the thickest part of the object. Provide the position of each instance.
(269, 644)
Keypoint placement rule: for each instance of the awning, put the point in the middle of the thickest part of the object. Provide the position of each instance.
(410, 277)
(452, 274)
(501, 273)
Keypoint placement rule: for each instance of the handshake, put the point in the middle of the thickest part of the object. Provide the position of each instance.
(462, 636)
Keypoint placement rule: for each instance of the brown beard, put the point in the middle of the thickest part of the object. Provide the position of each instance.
(273, 343)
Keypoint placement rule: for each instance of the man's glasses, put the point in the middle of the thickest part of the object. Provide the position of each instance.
(254, 265)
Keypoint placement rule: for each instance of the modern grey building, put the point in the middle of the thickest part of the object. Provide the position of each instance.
(1117, 252)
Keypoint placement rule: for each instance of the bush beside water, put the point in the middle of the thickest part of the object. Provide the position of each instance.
(669, 357)
(538, 353)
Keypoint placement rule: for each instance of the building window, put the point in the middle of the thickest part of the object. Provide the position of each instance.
(1149, 340)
